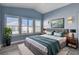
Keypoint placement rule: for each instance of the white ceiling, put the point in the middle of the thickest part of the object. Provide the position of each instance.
(40, 7)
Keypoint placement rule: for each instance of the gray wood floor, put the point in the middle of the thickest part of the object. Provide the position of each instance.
(21, 49)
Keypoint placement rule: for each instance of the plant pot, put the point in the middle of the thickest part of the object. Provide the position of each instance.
(8, 42)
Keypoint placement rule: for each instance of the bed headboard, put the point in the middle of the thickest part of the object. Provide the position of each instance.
(58, 30)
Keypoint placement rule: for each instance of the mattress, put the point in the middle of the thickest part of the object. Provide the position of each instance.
(62, 41)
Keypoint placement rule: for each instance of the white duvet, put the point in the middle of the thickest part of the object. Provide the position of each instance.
(62, 42)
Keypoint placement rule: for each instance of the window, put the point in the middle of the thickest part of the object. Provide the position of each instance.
(13, 23)
(30, 25)
(37, 26)
(27, 25)
(24, 25)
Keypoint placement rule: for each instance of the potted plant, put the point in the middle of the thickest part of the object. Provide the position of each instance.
(7, 36)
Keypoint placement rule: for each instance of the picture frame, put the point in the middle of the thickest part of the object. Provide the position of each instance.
(57, 23)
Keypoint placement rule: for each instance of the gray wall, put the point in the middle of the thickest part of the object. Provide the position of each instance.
(22, 12)
(17, 12)
(64, 12)
(0, 24)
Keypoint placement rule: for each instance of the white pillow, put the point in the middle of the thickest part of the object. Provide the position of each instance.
(57, 34)
(48, 32)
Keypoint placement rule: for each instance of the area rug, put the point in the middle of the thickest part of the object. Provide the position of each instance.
(21, 49)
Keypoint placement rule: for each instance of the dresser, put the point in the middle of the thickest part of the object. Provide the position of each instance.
(71, 41)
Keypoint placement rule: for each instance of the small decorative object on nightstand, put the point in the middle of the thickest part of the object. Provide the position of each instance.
(71, 40)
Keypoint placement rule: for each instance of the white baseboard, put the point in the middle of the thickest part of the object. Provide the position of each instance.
(15, 42)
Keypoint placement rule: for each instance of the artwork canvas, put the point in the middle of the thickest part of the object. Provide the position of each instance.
(57, 23)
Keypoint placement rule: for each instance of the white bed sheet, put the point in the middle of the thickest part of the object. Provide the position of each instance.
(42, 47)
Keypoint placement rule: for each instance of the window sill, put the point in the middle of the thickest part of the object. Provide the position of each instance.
(15, 35)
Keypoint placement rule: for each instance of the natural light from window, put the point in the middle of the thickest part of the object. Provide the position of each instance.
(37, 26)
(30, 26)
(12, 22)
(24, 25)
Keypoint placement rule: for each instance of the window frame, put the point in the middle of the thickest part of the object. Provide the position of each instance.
(36, 26)
(27, 25)
(5, 23)
(20, 24)
(32, 25)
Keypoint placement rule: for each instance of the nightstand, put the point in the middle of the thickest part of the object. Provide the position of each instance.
(72, 41)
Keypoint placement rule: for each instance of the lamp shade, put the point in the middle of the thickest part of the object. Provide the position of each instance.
(69, 20)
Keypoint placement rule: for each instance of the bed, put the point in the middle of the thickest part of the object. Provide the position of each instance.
(45, 44)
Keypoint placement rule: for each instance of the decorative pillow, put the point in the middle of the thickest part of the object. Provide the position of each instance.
(62, 34)
(59, 34)
(53, 32)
